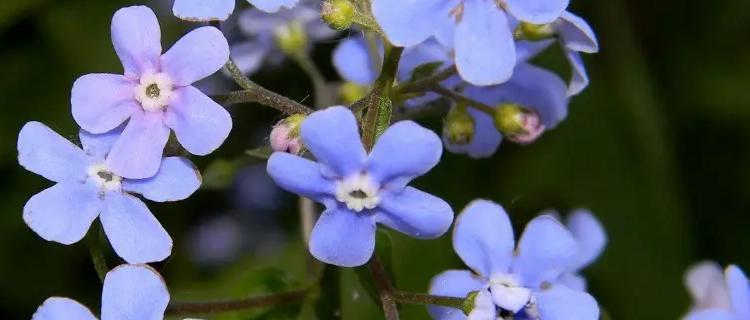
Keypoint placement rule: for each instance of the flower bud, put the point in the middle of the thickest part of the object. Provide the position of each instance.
(285, 135)
(338, 14)
(534, 32)
(458, 127)
(350, 92)
(291, 38)
(518, 124)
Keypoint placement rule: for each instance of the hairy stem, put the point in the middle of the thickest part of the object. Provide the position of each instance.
(458, 97)
(211, 307)
(426, 299)
(255, 93)
(426, 83)
(383, 285)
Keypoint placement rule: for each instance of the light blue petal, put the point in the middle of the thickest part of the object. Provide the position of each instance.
(195, 56)
(352, 61)
(203, 10)
(545, 250)
(273, 5)
(429, 51)
(537, 11)
(57, 308)
(135, 234)
(137, 153)
(561, 303)
(134, 292)
(579, 78)
(739, 292)
(176, 180)
(590, 236)
(710, 314)
(538, 89)
(527, 50)
(405, 151)
(97, 146)
(46, 153)
(100, 102)
(576, 34)
(454, 283)
(485, 49)
(409, 22)
(416, 213)
(483, 238)
(707, 285)
(299, 175)
(136, 36)
(573, 281)
(332, 135)
(343, 238)
(256, 23)
(486, 137)
(64, 212)
(249, 56)
(200, 124)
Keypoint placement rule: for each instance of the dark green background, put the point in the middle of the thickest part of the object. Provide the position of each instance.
(657, 147)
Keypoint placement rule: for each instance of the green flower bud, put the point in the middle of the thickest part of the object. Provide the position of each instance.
(350, 92)
(519, 124)
(338, 14)
(534, 32)
(458, 126)
(291, 38)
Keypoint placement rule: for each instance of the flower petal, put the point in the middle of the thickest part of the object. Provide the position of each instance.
(176, 180)
(64, 212)
(200, 124)
(101, 102)
(739, 292)
(299, 175)
(527, 50)
(343, 238)
(57, 308)
(137, 153)
(195, 56)
(136, 36)
(273, 5)
(453, 283)
(576, 34)
(202, 10)
(579, 78)
(483, 237)
(484, 142)
(711, 314)
(485, 49)
(537, 11)
(538, 89)
(46, 153)
(134, 292)
(249, 55)
(707, 287)
(416, 213)
(561, 303)
(134, 233)
(484, 307)
(573, 281)
(590, 236)
(409, 22)
(332, 135)
(403, 152)
(544, 251)
(429, 51)
(97, 146)
(352, 61)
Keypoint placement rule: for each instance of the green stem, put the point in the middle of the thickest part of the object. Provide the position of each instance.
(211, 307)
(426, 83)
(463, 99)
(380, 90)
(255, 93)
(384, 287)
(94, 242)
(426, 299)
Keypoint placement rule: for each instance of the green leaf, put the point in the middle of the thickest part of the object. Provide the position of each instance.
(425, 70)
(385, 110)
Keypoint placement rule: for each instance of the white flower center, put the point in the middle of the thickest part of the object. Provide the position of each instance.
(154, 91)
(358, 192)
(105, 179)
(507, 292)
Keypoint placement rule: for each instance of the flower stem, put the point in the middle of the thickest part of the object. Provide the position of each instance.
(380, 91)
(193, 308)
(94, 242)
(464, 99)
(255, 93)
(384, 287)
(426, 299)
(426, 83)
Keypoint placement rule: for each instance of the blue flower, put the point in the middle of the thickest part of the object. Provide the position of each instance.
(220, 10)
(259, 47)
(521, 279)
(361, 190)
(129, 292)
(591, 238)
(531, 87)
(478, 30)
(155, 95)
(576, 36)
(86, 188)
(717, 295)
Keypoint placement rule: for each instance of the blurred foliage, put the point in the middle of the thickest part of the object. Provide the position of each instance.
(658, 147)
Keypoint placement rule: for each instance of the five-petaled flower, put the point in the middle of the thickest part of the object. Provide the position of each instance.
(521, 279)
(717, 295)
(220, 10)
(129, 292)
(361, 190)
(155, 94)
(86, 188)
(591, 239)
